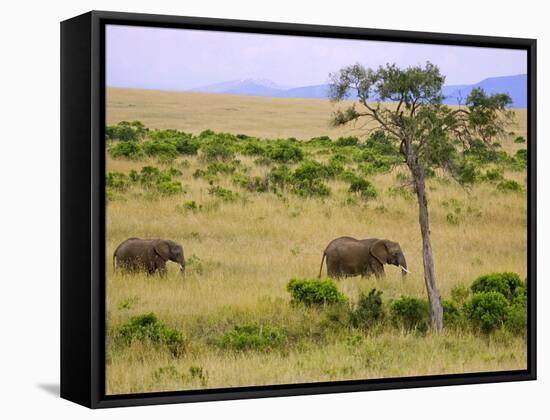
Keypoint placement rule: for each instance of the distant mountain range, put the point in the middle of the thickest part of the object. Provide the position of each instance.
(515, 86)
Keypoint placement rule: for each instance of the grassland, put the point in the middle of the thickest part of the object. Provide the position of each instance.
(243, 253)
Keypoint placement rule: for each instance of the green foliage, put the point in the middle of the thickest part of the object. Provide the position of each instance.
(516, 318)
(519, 139)
(368, 310)
(410, 312)
(314, 292)
(509, 185)
(508, 284)
(347, 141)
(492, 175)
(186, 146)
(148, 327)
(284, 152)
(452, 315)
(223, 193)
(125, 131)
(520, 158)
(487, 311)
(254, 336)
(169, 187)
(363, 187)
(160, 148)
(127, 149)
(117, 181)
(459, 294)
(191, 205)
(215, 151)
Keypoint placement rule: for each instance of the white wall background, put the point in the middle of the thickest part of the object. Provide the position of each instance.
(29, 209)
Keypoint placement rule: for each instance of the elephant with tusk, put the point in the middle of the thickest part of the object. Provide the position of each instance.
(149, 255)
(348, 257)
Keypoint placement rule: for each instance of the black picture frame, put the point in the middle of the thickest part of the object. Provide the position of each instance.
(83, 208)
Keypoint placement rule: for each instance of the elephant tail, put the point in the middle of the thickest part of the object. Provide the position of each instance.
(322, 261)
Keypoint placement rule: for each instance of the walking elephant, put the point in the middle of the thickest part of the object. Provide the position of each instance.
(149, 255)
(348, 257)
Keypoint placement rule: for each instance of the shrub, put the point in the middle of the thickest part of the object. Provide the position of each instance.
(186, 146)
(520, 158)
(127, 149)
(253, 148)
(310, 188)
(516, 318)
(452, 316)
(363, 187)
(191, 206)
(487, 310)
(460, 294)
(519, 139)
(169, 187)
(509, 185)
(163, 148)
(410, 312)
(147, 327)
(368, 310)
(284, 152)
(117, 181)
(125, 131)
(253, 337)
(314, 292)
(280, 175)
(347, 141)
(223, 193)
(215, 151)
(492, 175)
(508, 284)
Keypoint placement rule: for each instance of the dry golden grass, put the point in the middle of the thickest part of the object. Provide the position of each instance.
(249, 249)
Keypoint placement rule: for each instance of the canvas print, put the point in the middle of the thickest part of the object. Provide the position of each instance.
(296, 210)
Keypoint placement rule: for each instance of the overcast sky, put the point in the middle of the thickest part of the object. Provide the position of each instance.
(179, 59)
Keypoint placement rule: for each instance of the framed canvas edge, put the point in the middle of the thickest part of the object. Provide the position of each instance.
(96, 305)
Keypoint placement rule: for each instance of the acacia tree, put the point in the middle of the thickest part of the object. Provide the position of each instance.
(407, 105)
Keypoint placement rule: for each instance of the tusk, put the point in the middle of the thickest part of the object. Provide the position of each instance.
(404, 269)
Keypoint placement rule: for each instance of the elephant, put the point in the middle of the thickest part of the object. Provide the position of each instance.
(148, 255)
(348, 257)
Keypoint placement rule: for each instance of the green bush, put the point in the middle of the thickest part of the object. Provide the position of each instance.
(409, 312)
(520, 158)
(487, 311)
(147, 327)
(186, 146)
(126, 149)
(215, 151)
(314, 292)
(253, 337)
(364, 188)
(519, 139)
(347, 141)
(508, 284)
(169, 187)
(280, 176)
(284, 152)
(452, 316)
(161, 148)
(368, 309)
(492, 175)
(509, 185)
(223, 193)
(117, 181)
(459, 294)
(516, 318)
(125, 131)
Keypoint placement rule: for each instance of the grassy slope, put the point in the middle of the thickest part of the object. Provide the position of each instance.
(250, 249)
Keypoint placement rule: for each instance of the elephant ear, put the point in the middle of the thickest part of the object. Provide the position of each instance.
(379, 250)
(162, 249)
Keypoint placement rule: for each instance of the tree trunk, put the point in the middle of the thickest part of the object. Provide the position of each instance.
(436, 310)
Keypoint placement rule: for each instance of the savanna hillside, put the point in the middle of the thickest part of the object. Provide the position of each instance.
(248, 226)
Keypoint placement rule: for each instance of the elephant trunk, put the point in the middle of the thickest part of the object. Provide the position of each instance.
(402, 263)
